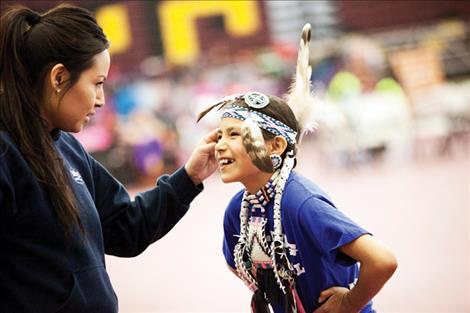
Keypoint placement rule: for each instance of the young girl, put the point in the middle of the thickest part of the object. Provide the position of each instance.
(283, 236)
(60, 210)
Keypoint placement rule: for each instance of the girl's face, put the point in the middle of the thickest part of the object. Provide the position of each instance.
(234, 163)
(78, 104)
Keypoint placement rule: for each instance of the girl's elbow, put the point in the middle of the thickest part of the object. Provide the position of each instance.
(389, 264)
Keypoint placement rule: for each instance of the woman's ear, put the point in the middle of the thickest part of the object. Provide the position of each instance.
(58, 75)
(278, 145)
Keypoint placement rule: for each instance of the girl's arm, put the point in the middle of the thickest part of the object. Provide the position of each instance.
(377, 265)
(233, 270)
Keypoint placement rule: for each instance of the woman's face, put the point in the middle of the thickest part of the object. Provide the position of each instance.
(78, 104)
(234, 163)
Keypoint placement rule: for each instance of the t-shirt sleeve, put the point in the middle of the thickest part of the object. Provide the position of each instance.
(231, 229)
(329, 229)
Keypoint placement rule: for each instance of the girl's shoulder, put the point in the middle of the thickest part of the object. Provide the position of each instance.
(299, 188)
(232, 210)
(236, 200)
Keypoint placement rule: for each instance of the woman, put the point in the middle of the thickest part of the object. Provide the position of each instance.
(60, 210)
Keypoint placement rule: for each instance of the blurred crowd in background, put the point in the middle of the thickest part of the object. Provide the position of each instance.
(392, 78)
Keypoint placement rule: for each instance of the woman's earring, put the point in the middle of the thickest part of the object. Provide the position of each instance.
(58, 90)
(277, 160)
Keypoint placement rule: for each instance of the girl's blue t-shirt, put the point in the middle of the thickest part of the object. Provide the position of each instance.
(314, 231)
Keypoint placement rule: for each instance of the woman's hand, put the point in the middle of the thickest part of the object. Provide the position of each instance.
(202, 162)
(337, 301)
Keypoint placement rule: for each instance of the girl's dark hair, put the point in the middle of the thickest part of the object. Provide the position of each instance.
(31, 44)
(280, 110)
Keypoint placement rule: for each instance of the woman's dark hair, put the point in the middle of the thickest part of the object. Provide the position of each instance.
(31, 44)
(280, 110)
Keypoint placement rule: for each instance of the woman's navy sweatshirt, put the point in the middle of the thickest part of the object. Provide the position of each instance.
(41, 271)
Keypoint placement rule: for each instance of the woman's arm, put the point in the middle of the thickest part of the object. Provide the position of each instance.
(377, 265)
(129, 226)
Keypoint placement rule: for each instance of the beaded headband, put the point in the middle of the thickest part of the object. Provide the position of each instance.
(263, 121)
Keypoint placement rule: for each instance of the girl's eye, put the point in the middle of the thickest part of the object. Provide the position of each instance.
(219, 136)
(234, 134)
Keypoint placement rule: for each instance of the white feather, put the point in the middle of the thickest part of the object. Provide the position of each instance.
(299, 96)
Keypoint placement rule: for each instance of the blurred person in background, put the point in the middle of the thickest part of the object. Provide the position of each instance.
(283, 236)
(60, 210)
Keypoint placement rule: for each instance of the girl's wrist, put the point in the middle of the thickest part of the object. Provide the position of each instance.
(349, 303)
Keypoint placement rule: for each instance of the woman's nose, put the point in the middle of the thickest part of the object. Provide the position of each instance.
(99, 102)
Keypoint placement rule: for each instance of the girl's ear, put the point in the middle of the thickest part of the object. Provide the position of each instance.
(278, 145)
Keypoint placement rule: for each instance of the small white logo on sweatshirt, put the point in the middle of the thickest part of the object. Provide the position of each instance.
(76, 176)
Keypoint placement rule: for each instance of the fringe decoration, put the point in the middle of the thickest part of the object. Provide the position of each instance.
(258, 303)
(267, 283)
(283, 269)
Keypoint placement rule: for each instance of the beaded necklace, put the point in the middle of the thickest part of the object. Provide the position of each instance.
(282, 268)
(256, 229)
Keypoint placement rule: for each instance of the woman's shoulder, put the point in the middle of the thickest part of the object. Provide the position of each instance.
(5, 138)
(12, 162)
(65, 138)
(8, 148)
(65, 142)
(5, 143)
(70, 147)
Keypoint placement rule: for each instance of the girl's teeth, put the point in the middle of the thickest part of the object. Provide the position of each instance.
(224, 162)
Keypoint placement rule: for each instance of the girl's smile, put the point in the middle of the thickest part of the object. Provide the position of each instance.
(224, 162)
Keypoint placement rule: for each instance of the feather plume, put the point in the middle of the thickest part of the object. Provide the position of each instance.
(299, 96)
(253, 142)
(221, 103)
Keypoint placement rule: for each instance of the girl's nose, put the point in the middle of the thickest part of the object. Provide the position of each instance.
(220, 145)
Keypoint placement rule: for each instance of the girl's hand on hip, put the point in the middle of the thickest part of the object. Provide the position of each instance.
(337, 301)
